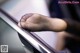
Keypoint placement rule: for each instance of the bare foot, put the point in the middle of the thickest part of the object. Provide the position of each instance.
(37, 22)
(34, 22)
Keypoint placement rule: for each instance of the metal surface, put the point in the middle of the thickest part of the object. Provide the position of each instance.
(34, 41)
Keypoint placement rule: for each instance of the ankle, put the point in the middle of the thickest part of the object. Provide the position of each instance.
(57, 24)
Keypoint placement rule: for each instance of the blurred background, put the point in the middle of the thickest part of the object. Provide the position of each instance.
(18, 8)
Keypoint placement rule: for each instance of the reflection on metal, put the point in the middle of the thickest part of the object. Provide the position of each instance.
(2, 1)
(39, 45)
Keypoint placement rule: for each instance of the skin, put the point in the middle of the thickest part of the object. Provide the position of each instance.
(38, 22)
